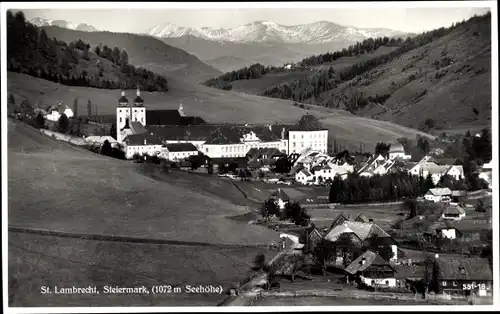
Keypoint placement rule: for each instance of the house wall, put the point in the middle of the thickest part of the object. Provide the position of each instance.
(139, 115)
(394, 249)
(236, 150)
(379, 282)
(432, 198)
(130, 150)
(450, 217)
(294, 238)
(300, 140)
(122, 113)
(174, 156)
(448, 233)
(401, 155)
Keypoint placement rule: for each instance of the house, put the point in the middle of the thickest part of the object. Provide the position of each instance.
(179, 151)
(375, 165)
(370, 235)
(453, 212)
(99, 140)
(464, 275)
(372, 270)
(458, 196)
(55, 112)
(339, 220)
(362, 218)
(260, 158)
(442, 230)
(437, 195)
(144, 144)
(485, 173)
(305, 177)
(396, 151)
(307, 133)
(456, 172)
(280, 198)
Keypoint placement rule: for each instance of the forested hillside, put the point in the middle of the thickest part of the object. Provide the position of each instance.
(430, 71)
(31, 51)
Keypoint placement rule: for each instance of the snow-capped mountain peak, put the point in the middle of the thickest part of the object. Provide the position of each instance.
(38, 21)
(269, 31)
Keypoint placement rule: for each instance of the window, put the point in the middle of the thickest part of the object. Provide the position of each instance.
(206, 150)
(293, 136)
(302, 136)
(387, 282)
(120, 119)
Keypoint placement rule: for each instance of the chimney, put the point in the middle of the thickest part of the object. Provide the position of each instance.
(363, 261)
(144, 141)
(270, 127)
(436, 256)
(283, 133)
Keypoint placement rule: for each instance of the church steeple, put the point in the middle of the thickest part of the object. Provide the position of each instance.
(123, 101)
(138, 101)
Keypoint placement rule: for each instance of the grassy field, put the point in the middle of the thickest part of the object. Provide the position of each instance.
(70, 189)
(261, 190)
(59, 187)
(36, 261)
(216, 106)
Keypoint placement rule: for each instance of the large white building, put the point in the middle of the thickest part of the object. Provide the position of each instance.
(55, 112)
(215, 141)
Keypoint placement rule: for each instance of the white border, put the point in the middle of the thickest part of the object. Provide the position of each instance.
(242, 5)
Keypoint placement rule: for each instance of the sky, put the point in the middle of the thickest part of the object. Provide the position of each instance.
(137, 20)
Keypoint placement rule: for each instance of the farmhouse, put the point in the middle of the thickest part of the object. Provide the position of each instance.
(99, 140)
(180, 151)
(453, 212)
(305, 177)
(144, 144)
(437, 195)
(442, 230)
(464, 276)
(370, 235)
(372, 270)
(397, 151)
(55, 112)
(280, 198)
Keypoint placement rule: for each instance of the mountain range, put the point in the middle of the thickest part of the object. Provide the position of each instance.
(38, 21)
(264, 42)
(271, 32)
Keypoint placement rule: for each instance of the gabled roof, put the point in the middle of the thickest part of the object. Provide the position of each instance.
(464, 268)
(279, 193)
(453, 210)
(181, 132)
(137, 127)
(307, 123)
(341, 217)
(143, 139)
(370, 258)
(181, 147)
(439, 191)
(362, 218)
(458, 193)
(232, 134)
(305, 172)
(361, 229)
(396, 148)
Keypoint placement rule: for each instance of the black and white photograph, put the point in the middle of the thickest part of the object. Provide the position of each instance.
(249, 155)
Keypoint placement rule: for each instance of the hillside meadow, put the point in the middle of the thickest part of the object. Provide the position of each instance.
(217, 106)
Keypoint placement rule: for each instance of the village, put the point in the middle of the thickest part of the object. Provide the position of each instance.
(373, 222)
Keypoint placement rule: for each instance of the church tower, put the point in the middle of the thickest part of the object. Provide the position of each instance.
(138, 110)
(123, 114)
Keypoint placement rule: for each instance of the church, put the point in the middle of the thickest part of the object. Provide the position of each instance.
(156, 132)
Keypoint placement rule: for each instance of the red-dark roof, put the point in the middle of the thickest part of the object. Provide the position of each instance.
(142, 139)
(163, 117)
(181, 147)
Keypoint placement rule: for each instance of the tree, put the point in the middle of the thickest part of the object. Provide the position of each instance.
(106, 148)
(297, 214)
(89, 109)
(322, 253)
(429, 183)
(112, 131)
(259, 262)
(124, 58)
(411, 206)
(269, 208)
(40, 121)
(382, 149)
(63, 124)
(282, 165)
